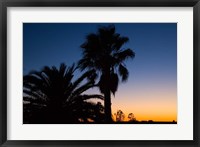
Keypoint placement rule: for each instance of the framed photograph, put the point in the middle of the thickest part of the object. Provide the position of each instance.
(86, 73)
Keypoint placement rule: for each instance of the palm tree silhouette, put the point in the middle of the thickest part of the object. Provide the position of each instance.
(103, 53)
(53, 96)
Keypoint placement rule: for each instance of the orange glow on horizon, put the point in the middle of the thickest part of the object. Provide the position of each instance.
(152, 107)
(146, 111)
(153, 104)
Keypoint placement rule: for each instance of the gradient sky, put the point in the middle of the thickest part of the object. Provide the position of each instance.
(151, 90)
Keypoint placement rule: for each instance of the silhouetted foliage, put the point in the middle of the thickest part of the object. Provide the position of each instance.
(120, 116)
(53, 96)
(103, 52)
(131, 117)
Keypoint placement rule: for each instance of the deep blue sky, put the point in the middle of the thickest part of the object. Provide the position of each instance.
(155, 45)
(53, 43)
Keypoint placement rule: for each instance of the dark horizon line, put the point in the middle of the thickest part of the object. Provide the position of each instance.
(122, 122)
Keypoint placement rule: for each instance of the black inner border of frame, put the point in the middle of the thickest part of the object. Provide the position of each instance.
(101, 3)
(97, 3)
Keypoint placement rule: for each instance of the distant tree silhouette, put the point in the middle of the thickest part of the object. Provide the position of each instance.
(103, 52)
(53, 96)
(120, 116)
(131, 117)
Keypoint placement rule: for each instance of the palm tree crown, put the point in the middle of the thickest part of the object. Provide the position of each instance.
(103, 53)
(52, 96)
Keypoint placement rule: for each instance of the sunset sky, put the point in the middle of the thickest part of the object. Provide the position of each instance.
(151, 90)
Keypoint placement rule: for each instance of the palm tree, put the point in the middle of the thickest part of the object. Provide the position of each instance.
(103, 53)
(53, 96)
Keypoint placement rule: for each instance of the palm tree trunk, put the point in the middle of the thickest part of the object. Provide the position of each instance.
(107, 104)
(107, 95)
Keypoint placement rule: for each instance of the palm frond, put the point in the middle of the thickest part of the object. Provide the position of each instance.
(85, 63)
(91, 75)
(114, 80)
(93, 96)
(82, 88)
(119, 42)
(34, 100)
(102, 84)
(123, 71)
(120, 56)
